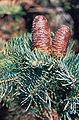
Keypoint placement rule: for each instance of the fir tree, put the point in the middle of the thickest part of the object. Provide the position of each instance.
(44, 85)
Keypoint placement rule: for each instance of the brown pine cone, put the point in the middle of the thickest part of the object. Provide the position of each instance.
(41, 36)
(61, 40)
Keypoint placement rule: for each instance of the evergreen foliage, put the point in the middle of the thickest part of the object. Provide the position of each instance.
(41, 83)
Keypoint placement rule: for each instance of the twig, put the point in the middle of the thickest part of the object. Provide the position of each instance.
(4, 81)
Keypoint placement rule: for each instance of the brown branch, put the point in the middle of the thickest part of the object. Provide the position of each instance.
(4, 81)
(41, 10)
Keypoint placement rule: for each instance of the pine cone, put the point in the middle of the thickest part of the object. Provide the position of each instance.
(41, 36)
(61, 40)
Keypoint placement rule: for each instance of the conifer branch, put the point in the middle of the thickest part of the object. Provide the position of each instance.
(40, 79)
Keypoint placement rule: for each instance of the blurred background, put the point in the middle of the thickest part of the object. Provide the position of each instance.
(16, 17)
